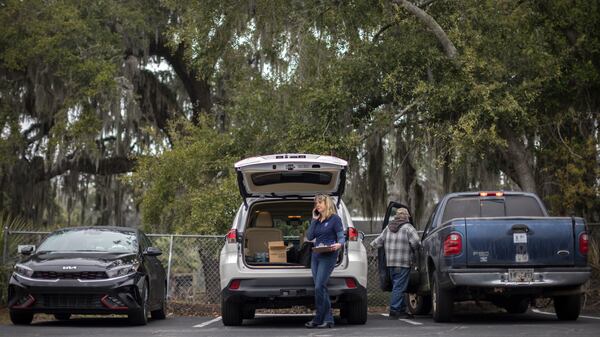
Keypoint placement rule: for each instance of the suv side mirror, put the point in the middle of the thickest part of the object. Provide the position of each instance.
(152, 251)
(25, 249)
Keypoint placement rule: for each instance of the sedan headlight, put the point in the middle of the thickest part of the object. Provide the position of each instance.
(122, 270)
(23, 270)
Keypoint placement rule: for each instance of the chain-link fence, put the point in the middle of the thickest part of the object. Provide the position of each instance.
(192, 265)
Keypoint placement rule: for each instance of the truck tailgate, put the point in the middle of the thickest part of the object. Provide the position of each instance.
(515, 242)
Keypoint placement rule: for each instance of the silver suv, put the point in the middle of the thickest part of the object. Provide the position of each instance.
(265, 262)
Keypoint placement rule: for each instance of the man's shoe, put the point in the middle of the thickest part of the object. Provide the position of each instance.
(393, 315)
(406, 315)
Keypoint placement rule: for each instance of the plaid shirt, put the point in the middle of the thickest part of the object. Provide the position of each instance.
(398, 245)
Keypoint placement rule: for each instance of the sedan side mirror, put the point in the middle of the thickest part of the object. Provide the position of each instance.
(25, 249)
(152, 251)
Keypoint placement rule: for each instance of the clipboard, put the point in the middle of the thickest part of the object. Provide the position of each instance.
(322, 249)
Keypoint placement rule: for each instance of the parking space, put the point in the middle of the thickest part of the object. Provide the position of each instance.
(533, 323)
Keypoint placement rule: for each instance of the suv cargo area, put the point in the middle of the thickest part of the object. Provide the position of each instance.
(275, 235)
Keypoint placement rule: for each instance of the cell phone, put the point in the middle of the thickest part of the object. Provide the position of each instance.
(316, 213)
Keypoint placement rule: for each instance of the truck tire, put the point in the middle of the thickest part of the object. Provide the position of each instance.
(356, 311)
(516, 305)
(231, 312)
(567, 308)
(418, 304)
(442, 302)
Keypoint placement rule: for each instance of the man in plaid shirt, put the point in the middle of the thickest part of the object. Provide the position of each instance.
(399, 239)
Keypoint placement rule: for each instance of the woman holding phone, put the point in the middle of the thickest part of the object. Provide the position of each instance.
(327, 230)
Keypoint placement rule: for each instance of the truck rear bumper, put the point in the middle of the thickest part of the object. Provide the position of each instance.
(542, 277)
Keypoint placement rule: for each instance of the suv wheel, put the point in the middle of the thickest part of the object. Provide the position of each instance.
(21, 318)
(231, 312)
(248, 313)
(567, 308)
(62, 317)
(356, 311)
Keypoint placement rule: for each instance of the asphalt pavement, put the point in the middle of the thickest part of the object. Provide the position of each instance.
(532, 323)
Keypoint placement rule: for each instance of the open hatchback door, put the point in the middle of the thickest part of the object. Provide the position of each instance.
(291, 175)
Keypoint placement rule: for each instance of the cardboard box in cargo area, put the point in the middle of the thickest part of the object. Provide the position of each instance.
(277, 251)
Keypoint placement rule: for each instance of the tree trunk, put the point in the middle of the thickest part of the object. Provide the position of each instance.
(518, 162)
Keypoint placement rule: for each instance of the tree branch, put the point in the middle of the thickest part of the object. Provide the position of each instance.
(198, 89)
(430, 22)
(104, 166)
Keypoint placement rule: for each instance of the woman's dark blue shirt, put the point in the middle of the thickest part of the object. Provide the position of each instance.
(327, 232)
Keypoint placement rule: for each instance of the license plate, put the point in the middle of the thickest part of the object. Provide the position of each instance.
(520, 275)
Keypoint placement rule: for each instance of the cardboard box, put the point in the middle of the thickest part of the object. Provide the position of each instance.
(277, 251)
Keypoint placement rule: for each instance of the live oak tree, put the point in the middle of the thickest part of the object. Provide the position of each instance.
(422, 98)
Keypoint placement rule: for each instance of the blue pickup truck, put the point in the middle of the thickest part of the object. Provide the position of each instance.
(500, 247)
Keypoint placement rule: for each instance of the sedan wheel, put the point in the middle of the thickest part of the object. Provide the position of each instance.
(162, 312)
(140, 317)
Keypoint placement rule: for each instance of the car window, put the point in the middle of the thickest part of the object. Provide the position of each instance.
(430, 225)
(91, 239)
(292, 225)
(522, 205)
(475, 206)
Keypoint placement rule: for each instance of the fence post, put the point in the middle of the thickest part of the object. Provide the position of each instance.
(5, 245)
(169, 266)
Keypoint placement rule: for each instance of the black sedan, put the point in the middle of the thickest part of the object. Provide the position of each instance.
(89, 270)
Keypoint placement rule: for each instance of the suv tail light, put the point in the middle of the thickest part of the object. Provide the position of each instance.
(234, 285)
(453, 244)
(231, 236)
(352, 234)
(350, 283)
(584, 243)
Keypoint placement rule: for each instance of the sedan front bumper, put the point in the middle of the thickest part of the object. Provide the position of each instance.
(102, 296)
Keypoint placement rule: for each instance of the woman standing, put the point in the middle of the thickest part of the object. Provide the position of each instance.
(327, 230)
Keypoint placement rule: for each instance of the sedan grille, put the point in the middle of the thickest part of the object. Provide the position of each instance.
(84, 275)
(82, 301)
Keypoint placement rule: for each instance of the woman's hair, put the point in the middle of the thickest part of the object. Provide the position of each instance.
(329, 205)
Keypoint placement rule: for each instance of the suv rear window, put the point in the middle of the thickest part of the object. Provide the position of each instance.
(269, 178)
(476, 206)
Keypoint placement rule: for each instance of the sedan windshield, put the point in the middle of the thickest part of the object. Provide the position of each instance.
(91, 240)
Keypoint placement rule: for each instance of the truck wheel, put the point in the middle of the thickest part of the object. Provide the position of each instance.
(567, 308)
(21, 318)
(356, 311)
(516, 305)
(231, 312)
(417, 304)
(442, 302)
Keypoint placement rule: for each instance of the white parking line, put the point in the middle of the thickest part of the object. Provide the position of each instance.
(201, 325)
(405, 320)
(285, 315)
(552, 314)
